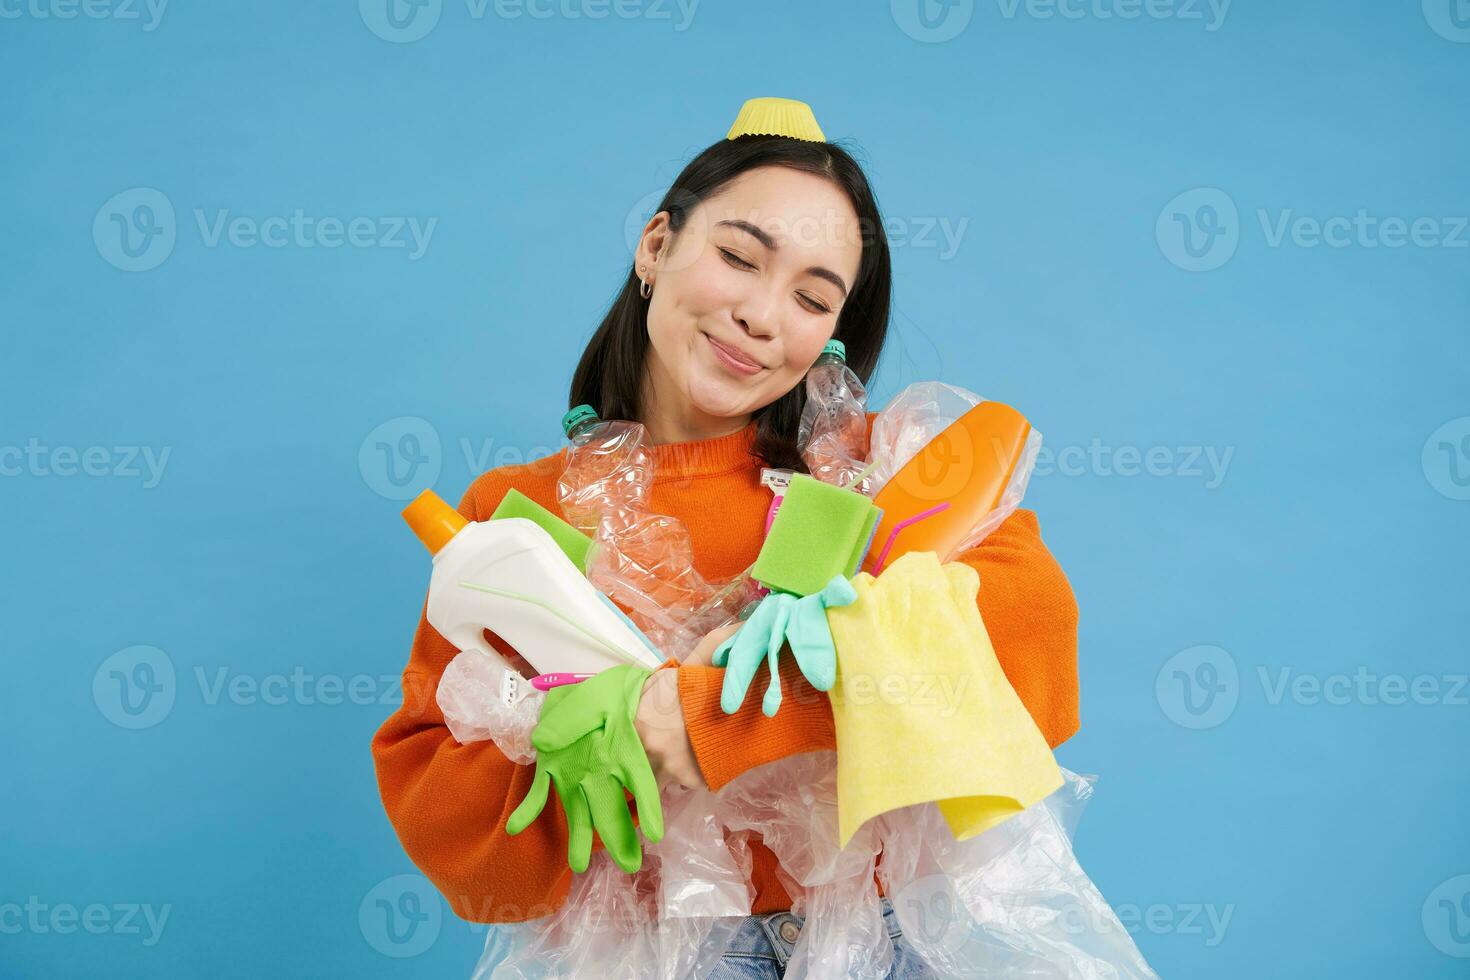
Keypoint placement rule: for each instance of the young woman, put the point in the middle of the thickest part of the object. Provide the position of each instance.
(764, 248)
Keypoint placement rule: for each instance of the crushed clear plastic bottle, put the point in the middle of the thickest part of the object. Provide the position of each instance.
(832, 435)
(640, 559)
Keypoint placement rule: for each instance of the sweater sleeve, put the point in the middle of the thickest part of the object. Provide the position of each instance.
(1031, 616)
(449, 802)
(1029, 612)
(728, 745)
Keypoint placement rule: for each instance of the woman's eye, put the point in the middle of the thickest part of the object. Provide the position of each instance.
(735, 260)
(816, 306)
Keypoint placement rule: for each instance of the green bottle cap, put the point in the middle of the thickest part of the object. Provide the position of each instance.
(577, 417)
(836, 347)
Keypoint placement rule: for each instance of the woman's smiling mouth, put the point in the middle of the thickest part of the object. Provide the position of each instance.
(732, 359)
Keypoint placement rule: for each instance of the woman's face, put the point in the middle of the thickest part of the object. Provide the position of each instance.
(746, 294)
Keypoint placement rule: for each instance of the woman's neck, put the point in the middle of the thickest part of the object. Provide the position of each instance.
(675, 419)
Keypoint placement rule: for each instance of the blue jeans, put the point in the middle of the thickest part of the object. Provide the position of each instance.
(764, 943)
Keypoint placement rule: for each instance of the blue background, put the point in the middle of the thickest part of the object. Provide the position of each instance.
(271, 544)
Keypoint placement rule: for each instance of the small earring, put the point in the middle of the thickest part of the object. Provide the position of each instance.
(644, 289)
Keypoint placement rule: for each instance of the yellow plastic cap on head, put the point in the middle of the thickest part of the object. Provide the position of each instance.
(777, 117)
(434, 521)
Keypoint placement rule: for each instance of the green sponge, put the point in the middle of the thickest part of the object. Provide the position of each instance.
(571, 541)
(819, 531)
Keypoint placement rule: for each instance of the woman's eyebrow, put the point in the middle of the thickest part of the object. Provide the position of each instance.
(821, 272)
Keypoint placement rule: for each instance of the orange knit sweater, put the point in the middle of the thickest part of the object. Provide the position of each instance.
(449, 802)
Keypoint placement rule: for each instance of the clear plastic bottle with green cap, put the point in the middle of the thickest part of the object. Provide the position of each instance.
(833, 433)
(642, 559)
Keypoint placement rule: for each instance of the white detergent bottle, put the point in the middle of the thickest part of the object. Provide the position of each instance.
(509, 576)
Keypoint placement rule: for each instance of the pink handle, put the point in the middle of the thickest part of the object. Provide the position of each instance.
(545, 682)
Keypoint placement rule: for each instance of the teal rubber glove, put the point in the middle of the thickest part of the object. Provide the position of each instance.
(782, 618)
(587, 746)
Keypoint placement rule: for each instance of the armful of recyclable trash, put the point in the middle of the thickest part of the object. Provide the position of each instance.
(518, 574)
(946, 467)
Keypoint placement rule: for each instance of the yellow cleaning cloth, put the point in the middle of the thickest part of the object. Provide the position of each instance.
(922, 708)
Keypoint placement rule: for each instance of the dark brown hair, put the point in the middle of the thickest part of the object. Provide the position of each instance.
(608, 375)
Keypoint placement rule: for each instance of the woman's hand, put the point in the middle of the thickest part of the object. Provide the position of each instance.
(660, 717)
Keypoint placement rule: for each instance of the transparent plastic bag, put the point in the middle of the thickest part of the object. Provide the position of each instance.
(671, 920)
(1012, 901)
(470, 697)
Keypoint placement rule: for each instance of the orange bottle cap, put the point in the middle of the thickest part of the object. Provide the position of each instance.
(433, 520)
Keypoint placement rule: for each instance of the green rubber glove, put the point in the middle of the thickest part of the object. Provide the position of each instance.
(587, 746)
(782, 618)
